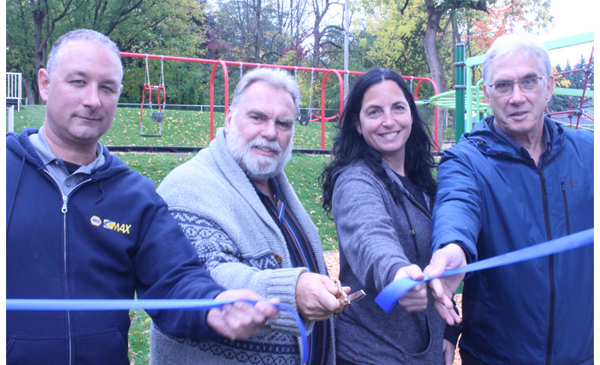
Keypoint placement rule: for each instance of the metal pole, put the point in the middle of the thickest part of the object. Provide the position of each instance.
(346, 41)
(11, 118)
(459, 86)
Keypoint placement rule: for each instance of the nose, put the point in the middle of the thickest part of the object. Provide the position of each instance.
(517, 95)
(269, 131)
(92, 97)
(387, 119)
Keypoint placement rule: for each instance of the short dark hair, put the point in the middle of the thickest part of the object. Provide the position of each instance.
(55, 54)
(349, 146)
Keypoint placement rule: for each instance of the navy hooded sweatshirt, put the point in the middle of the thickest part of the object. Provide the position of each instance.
(111, 237)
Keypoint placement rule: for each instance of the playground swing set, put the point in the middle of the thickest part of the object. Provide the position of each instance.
(303, 120)
(466, 99)
(156, 116)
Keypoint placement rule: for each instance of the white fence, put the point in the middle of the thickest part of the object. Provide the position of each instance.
(13, 89)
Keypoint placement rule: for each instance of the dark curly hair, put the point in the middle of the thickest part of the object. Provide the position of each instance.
(349, 146)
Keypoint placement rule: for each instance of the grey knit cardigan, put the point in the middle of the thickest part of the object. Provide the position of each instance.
(237, 240)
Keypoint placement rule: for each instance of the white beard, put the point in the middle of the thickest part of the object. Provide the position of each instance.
(256, 167)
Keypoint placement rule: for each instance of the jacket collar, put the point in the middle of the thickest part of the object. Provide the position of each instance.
(490, 142)
(22, 147)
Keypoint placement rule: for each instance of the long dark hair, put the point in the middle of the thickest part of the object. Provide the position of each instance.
(349, 146)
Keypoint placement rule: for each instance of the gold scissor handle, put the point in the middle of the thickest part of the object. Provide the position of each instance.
(342, 297)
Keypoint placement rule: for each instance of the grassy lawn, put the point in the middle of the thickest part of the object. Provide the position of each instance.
(179, 128)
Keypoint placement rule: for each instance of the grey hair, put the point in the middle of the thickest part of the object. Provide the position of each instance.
(276, 78)
(76, 35)
(510, 45)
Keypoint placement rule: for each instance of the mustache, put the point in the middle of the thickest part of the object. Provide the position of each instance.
(262, 143)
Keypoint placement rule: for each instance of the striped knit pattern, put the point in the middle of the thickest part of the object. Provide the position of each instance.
(301, 256)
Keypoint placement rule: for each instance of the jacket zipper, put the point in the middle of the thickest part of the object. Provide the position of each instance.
(567, 220)
(64, 210)
(423, 209)
(550, 341)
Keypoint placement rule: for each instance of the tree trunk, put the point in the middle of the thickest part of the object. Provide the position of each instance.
(435, 65)
(39, 17)
(29, 91)
(258, 36)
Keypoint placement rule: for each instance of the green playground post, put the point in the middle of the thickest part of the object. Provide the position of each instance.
(459, 86)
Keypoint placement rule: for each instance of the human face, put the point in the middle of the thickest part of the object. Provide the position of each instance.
(260, 130)
(81, 95)
(519, 115)
(386, 121)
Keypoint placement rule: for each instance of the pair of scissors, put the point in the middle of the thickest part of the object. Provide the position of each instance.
(347, 299)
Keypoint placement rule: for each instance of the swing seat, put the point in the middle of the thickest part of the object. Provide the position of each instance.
(304, 119)
(142, 134)
(157, 117)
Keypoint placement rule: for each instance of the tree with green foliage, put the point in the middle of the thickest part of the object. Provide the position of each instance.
(414, 26)
(135, 25)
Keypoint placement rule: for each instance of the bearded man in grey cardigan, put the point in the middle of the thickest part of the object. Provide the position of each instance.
(236, 205)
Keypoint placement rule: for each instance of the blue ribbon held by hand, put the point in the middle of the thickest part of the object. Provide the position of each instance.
(127, 304)
(390, 295)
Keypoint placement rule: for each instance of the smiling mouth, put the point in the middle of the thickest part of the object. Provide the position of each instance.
(390, 134)
(266, 149)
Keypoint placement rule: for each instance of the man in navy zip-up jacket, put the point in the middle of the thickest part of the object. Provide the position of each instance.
(81, 225)
(518, 179)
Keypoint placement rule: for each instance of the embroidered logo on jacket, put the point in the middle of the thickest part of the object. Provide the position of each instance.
(112, 225)
(573, 183)
(96, 220)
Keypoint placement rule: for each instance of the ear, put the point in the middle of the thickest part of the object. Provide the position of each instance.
(356, 120)
(550, 87)
(487, 95)
(44, 83)
(228, 120)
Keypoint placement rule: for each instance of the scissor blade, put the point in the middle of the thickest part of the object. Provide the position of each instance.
(356, 296)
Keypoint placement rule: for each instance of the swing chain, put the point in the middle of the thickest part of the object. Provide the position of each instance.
(148, 83)
(162, 78)
(312, 78)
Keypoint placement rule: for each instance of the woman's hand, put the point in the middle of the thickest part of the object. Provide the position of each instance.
(416, 299)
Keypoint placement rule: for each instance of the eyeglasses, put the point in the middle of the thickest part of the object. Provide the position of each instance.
(528, 85)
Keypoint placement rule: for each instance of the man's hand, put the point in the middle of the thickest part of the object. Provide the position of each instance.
(449, 257)
(415, 299)
(316, 296)
(448, 352)
(240, 320)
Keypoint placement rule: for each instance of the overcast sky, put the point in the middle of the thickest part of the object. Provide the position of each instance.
(571, 17)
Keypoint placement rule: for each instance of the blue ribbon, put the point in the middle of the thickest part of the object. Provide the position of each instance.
(127, 304)
(390, 295)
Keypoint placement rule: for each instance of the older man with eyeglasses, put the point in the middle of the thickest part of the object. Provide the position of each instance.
(517, 180)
